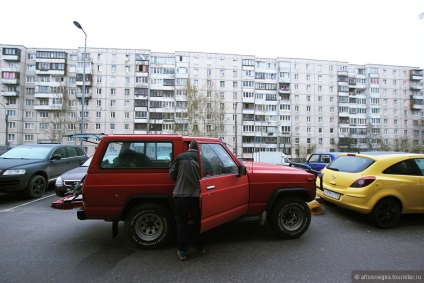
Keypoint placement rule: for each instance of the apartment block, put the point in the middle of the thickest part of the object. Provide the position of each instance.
(290, 105)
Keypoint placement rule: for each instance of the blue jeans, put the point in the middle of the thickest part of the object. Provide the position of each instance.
(185, 206)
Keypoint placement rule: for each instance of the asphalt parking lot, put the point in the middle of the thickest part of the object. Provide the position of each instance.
(42, 244)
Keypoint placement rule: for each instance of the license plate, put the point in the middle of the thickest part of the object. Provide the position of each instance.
(331, 194)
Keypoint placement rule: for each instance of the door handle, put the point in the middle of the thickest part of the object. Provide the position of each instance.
(210, 188)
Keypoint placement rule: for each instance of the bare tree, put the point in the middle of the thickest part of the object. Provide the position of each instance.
(58, 124)
(205, 113)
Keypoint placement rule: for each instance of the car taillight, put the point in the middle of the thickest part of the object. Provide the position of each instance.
(363, 182)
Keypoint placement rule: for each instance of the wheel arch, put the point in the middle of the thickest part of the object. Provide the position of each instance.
(134, 201)
(395, 198)
(38, 173)
(279, 194)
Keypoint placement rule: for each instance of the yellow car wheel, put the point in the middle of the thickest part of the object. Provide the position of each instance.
(386, 213)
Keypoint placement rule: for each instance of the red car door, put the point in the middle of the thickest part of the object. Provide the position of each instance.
(224, 194)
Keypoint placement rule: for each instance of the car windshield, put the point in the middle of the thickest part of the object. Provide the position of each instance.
(87, 162)
(350, 164)
(27, 152)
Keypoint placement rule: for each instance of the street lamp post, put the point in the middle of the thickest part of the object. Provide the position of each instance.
(6, 119)
(83, 82)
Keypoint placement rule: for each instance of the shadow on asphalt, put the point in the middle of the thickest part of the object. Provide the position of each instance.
(346, 214)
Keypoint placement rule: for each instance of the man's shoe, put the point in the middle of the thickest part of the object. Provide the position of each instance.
(201, 251)
(181, 255)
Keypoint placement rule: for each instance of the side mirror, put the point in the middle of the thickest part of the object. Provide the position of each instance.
(56, 157)
(242, 170)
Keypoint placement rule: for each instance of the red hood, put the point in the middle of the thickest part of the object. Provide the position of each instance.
(256, 167)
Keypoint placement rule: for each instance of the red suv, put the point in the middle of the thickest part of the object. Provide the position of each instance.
(128, 180)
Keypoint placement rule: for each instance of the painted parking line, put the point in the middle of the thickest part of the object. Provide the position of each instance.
(12, 208)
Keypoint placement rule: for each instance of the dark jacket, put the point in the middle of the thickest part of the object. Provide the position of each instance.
(185, 171)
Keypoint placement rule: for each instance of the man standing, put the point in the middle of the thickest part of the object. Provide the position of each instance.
(185, 170)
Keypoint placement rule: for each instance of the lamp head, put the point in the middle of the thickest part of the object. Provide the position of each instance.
(77, 24)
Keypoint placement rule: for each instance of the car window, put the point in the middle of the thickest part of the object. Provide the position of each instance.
(61, 151)
(72, 151)
(325, 158)
(406, 167)
(216, 160)
(420, 164)
(313, 158)
(137, 154)
(350, 164)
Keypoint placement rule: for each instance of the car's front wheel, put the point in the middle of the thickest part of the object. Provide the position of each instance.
(290, 218)
(149, 226)
(386, 213)
(36, 187)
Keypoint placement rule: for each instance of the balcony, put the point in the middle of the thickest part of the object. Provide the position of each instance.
(88, 79)
(417, 106)
(10, 93)
(54, 107)
(50, 72)
(284, 90)
(12, 58)
(284, 80)
(86, 96)
(417, 95)
(11, 54)
(47, 95)
(418, 86)
(416, 74)
(87, 83)
(14, 81)
(361, 86)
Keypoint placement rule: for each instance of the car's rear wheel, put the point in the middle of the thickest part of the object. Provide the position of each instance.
(36, 187)
(149, 226)
(386, 213)
(290, 218)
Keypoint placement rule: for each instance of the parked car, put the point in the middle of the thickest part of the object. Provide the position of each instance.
(135, 187)
(30, 169)
(380, 184)
(4, 148)
(317, 161)
(65, 182)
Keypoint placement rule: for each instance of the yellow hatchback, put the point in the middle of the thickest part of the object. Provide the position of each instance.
(382, 185)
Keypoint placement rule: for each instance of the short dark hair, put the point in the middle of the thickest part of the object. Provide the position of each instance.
(192, 145)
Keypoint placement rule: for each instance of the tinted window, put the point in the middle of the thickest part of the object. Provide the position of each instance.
(325, 158)
(72, 151)
(350, 164)
(61, 151)
(137, 154)
(406, 167)
(420, 164)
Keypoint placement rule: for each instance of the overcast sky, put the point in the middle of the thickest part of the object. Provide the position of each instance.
(387, 32)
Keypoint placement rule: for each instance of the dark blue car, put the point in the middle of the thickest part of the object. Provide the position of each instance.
(319, 160)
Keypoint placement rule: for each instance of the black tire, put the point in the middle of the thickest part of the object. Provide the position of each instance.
(290, 218)
(36, 187)
(149, 226)
(385, 214)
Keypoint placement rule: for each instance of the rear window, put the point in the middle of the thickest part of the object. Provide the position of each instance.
(137, 154)
(350, 164)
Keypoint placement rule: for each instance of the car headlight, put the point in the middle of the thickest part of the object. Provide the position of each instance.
(59, 182)
(14, 172)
